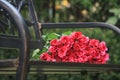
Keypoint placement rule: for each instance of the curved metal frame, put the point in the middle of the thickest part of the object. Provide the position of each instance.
(81, 25)
(22, 68)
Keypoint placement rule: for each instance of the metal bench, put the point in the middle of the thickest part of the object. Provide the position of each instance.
(10, 18)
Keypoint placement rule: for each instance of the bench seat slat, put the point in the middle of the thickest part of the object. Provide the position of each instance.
(40, 67)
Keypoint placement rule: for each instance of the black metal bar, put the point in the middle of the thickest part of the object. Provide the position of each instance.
(20, 5)
(36, 24)
(14, 42)
(81, 25)
(34, 44)
(2, 28)
(9, 42)
(34, 19)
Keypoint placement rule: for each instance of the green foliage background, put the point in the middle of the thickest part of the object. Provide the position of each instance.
(80, 11)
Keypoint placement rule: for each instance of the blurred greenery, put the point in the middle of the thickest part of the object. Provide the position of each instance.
(107, 11)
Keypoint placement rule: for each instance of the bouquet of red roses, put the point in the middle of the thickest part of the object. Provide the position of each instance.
(76, 48)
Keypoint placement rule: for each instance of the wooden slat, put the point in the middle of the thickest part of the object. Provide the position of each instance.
(73, 67)
(38, 67)
(7, 63)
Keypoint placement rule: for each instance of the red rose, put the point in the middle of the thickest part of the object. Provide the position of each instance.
(102, 46)
(71, 59)
(58, 59)
(65, 59)
(45, 56)
(80, 54)
(52, 49)
(64, 39)
(80, 59)
(76, 48)
(62, 52)
(54, 42)
(53, 60)
(94, 42)
(84, 39)
(106, 57)
(76, 35)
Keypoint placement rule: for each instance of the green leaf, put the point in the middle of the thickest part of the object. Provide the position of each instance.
(67, 33)
(44, 50)
(112, 20)
(51, 36)
(35, 53)
(116, 11)
(119, 16)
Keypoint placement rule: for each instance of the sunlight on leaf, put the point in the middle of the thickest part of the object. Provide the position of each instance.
(116, 11)
(35, 53)
(112, 20)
